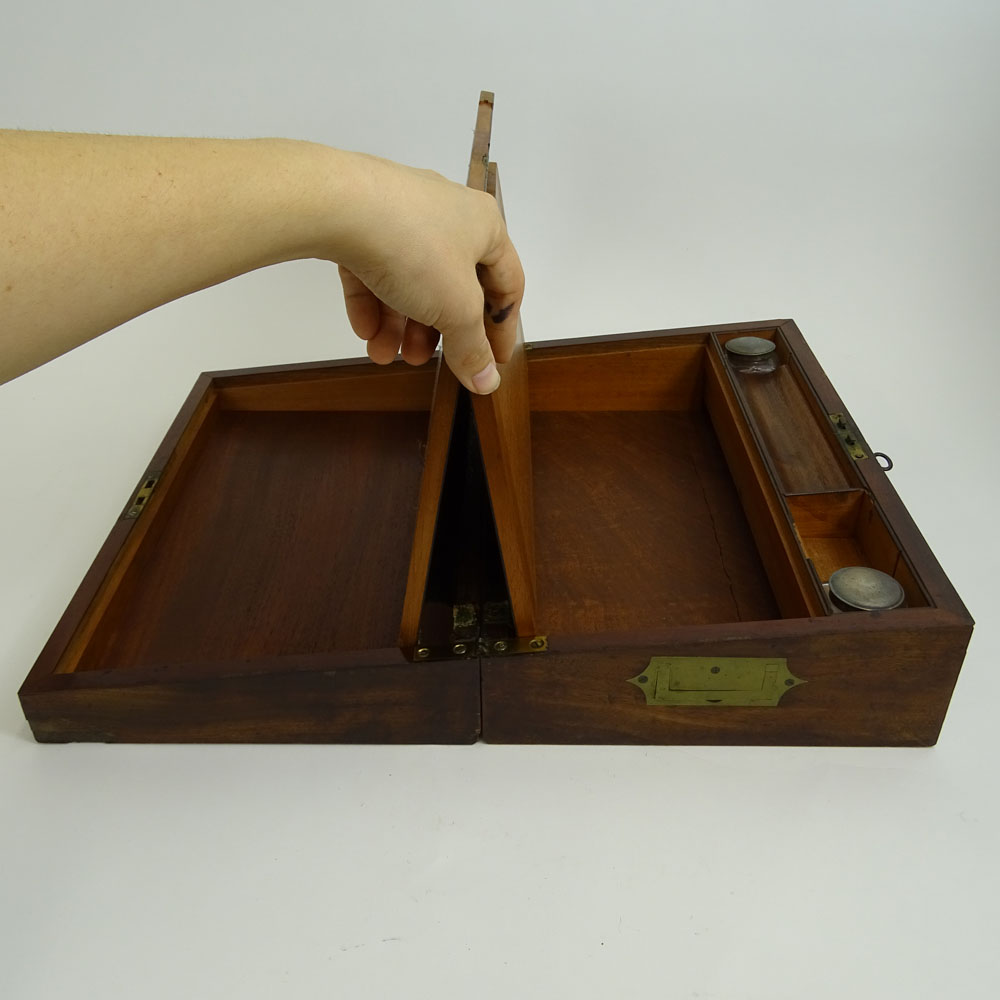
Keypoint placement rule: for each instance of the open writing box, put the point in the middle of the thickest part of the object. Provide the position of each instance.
(629, 542)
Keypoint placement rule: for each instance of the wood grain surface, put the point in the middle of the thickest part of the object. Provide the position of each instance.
(799, 449)
(619, 377)
(398, 387)
(639, 525)
(291, 536)
(871, 680)
(371, 697)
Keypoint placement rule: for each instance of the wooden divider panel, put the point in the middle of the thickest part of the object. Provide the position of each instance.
(502, 421)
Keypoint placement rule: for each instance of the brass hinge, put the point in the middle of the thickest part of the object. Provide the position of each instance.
(482, 646)
(849, 436)
(141, 498)
(715, 680)
(468, 640)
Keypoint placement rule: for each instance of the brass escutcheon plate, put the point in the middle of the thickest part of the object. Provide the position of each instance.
(712, 681)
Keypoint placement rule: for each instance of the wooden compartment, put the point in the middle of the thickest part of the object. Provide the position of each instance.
(627, 543)
(638, 522)
(846, 529)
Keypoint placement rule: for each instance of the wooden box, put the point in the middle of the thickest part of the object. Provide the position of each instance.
(630, 542)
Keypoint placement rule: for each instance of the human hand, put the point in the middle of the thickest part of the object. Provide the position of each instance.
(426, 258)
(135, 221)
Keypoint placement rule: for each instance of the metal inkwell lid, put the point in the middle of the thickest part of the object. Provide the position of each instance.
(750, 347)
(866, 589)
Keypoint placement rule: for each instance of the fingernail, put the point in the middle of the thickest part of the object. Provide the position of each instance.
(487, 380)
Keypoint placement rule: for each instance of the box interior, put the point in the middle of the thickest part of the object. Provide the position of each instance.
(284, 531)
(672, 488)
(668, 491)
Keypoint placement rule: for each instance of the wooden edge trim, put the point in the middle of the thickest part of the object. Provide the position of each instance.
(196, 670)
(266, 372)
(344, 389)
(674, 640)
(305, 372)
(657, 338)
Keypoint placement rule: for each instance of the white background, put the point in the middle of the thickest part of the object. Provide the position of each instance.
(663, 165)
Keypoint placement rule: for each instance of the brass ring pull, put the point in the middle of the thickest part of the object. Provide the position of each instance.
(879, 457)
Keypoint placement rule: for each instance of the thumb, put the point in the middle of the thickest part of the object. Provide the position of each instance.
(468, 354)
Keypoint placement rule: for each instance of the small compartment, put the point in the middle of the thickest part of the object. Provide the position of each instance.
(845, 529)
(797, 440)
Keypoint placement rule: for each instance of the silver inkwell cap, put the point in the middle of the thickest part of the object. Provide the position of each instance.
(750, 347)
(862, 588)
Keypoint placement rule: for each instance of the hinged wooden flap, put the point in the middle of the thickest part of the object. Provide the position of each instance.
(502, 421)
(439, 434)
(504, 425)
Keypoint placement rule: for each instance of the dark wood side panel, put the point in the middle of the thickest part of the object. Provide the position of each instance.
(397, 702)
(877, 681)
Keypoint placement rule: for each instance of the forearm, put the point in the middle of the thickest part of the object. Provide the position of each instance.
(95, 230)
